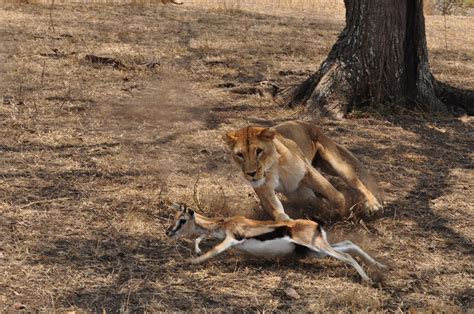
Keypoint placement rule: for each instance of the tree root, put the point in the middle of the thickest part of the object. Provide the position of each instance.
(330, 92)
(458, 101)
(332, 96)
(327, 93)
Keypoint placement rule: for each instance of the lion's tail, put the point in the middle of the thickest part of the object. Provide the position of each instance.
(363, 174)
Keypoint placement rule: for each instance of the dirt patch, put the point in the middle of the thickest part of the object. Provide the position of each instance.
(92, 156)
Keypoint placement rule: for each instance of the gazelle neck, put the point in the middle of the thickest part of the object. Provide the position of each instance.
(210, 226)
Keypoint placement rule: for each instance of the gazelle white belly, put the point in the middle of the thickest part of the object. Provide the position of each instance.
(274, 247)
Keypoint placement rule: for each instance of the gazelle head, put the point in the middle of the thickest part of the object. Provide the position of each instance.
(183, 222)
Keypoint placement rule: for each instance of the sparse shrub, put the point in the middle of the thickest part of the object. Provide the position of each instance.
(449, 7)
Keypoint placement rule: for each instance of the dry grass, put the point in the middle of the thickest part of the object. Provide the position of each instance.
(91, 156)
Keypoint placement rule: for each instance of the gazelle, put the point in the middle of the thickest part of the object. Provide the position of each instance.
(264, 238)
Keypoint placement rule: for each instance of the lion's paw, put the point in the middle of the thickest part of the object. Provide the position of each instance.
(282, 217)
(372, 206)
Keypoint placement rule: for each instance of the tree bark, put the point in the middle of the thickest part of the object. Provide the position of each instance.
(380, 57)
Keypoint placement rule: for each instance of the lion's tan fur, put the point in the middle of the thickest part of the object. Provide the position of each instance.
(283, 159)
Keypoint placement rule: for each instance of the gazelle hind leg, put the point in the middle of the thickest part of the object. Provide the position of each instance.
(325, 248)
(349, 247)
(348, 260)
(328, 250)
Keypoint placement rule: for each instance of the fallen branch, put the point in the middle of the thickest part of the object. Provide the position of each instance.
(51, 16)
(171, 1)
(115, 63)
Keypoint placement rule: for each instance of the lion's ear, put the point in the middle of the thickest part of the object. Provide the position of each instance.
(230, 138)
(267, 134)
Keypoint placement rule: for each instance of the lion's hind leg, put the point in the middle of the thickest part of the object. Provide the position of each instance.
(349, 169)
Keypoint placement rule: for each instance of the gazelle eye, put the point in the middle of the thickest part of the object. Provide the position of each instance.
(259, 151)
(182, 221)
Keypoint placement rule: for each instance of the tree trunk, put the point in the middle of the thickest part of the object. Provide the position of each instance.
(379, 58)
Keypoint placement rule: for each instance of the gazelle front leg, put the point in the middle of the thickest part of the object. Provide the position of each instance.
(271, 203)
(221, 247)
(198, 240)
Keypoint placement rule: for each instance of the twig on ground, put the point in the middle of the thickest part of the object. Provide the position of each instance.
(115, 63)
(42, 73)
(362, 223)
(51, 16)
(196, 200)
(44, 201)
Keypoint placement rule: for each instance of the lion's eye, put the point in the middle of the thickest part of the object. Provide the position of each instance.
(240, 155)
(259, 151)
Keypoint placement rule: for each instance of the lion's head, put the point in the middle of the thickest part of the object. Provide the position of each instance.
(253, 150)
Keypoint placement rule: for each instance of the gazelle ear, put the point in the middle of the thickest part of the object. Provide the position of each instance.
(230, 138)
(176, 206)
(267, 134)
(179, 206)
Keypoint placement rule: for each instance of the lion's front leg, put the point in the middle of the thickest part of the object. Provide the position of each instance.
(271, 204)
(304, 196)
(321, 185)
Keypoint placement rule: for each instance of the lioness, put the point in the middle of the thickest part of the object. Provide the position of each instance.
(281, 159)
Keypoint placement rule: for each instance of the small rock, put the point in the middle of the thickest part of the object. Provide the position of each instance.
(7, 99)
(292, 293)
(18, 306)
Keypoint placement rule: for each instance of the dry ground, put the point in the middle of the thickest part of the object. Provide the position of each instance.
(91, 156)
